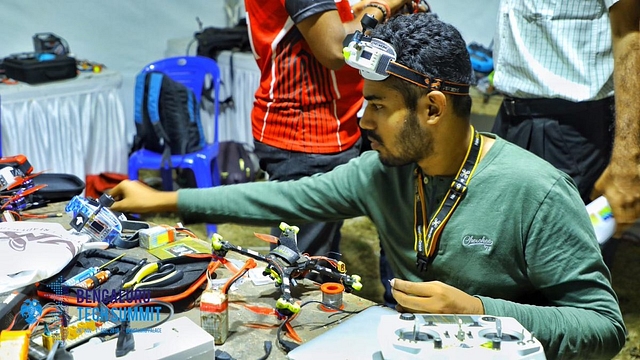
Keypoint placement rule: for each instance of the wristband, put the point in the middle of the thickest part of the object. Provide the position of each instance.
(385, 14)
(382, 5)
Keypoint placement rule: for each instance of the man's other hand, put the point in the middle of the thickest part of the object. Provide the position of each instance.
(433, 297)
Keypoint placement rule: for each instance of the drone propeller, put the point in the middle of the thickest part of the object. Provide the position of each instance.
(266, 237)
(31, 190)
(19, 180)
(21, 194)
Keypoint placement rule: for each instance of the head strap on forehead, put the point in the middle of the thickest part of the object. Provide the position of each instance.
(375, 59)
(422, 80)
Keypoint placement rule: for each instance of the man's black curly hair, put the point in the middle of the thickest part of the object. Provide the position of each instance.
(426, 44)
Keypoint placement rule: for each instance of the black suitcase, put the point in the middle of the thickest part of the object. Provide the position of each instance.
(34, 68)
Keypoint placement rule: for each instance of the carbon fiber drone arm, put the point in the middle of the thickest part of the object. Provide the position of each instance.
(351, 282)
(221, 248)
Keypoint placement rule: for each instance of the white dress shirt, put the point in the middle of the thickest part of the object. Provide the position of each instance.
(554, 49)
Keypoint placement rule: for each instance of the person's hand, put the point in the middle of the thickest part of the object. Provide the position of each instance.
(413, 7)
(358, 7)
(395, 5)
(136, 197)
(433, 297)
(620, 185)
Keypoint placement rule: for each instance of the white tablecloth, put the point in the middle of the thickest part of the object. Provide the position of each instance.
(235, 123)
(74, 126)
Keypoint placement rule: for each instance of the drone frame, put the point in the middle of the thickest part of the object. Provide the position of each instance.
(285, 263)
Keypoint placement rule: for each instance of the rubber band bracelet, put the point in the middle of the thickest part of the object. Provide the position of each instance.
(385, 14)
(387, 8)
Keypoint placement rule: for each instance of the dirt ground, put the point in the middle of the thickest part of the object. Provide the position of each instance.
(360, 251)
(626, 282)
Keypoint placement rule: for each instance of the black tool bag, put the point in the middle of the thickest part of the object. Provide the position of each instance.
(60, 187)
(182, 293)
(34, 68)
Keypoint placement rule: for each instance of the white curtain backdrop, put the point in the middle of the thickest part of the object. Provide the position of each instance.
(126, 35)
(73, 126)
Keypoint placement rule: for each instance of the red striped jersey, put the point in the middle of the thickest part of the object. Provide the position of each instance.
(300, 104)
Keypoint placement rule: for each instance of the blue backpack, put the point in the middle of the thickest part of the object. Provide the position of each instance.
(167, 117)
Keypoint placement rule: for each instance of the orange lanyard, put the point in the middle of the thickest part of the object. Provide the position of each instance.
(426, 240)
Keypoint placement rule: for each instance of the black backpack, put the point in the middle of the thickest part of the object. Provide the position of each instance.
(212, 40)
(167, 117)
(237, 164)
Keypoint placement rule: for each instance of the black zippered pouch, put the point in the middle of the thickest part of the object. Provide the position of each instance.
(60, 187)
(34, 68)
(182, 292)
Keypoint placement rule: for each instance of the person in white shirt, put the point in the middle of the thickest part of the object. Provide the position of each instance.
(554, 63)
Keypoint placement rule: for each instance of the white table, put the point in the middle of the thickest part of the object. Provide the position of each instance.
(74, 126)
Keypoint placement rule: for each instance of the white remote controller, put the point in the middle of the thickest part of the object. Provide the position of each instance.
(428, 336)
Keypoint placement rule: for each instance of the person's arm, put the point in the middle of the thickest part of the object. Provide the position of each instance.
(331, 196)
(433, 297)
(325, 32)
(580, 316)
(136, 197)
(620, 183)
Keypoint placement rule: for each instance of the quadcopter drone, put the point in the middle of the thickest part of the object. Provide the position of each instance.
(19, 200)
(16, 184)
(285, 264)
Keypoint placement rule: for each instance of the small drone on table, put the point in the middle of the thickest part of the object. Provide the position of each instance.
(16, 184)
(285, 264)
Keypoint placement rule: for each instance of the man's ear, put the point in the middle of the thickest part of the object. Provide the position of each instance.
(432, 105)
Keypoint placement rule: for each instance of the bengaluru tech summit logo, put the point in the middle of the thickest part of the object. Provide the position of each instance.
(31, 309)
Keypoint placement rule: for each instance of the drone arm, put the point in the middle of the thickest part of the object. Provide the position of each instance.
(350, 281)
(221, 248)
(286, 304)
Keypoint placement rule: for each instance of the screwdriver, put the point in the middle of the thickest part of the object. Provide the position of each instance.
(97, 280)
(84, 275)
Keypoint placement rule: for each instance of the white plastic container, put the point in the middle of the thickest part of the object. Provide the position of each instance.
(602, 219)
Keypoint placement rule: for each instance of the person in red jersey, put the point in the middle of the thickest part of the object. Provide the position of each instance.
(304, 118)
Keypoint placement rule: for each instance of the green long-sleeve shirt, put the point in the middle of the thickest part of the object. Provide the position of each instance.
(520, 240)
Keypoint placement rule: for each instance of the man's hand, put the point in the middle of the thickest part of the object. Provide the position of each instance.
(433, 297)
(620, 185)
(397, 6)
(136, 197)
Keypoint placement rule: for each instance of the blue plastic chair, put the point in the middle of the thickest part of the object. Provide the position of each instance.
(192, 71)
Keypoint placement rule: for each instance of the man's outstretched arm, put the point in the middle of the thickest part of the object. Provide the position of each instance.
(620, 183)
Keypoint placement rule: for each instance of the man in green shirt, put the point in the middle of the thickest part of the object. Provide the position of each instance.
(470, 223)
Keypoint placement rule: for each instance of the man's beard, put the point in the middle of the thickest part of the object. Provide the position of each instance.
(413, 143)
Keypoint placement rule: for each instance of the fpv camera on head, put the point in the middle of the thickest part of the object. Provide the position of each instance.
(375, 59)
